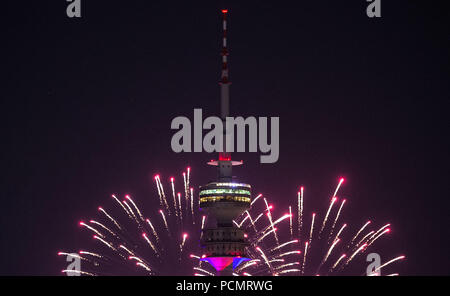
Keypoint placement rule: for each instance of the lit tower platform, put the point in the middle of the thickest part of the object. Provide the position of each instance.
(223, 201)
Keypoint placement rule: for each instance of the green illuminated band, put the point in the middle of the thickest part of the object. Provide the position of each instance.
(224, 198)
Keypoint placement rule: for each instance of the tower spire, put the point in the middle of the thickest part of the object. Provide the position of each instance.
(224, 82)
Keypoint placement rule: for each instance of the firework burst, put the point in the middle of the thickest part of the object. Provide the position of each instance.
(126, 242)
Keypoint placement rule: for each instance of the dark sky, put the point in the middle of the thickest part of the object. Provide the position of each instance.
(87, 105)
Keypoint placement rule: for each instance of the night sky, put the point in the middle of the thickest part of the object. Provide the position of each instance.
(87, 105)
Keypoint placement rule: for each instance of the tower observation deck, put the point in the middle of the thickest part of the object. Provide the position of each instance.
(224, 200)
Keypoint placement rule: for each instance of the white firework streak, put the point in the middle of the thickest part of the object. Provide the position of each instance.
(312, 227)
(300, 211)
(360, 230)
(153, 229)
(104, 227)
(336, 241)
(123, 207)
(363, 239)
(284, 244)
(126, 249)
(333, 200)
(304, 257)
(144, 235)
(256, 198)
(183, 241)
(339, 232)
(264, 257)
(289, 270)
(337, 261)
(180, 207)
(135, 206)
(192, 204)
(165, 221)
(337, 217)
(205, 271)
(109, 245)
(379, 230)
(287, 265)
(131, 211)
(290, 220)
(174, 196)
(355, 253)
(288, 253)
(92, 229)
(77, 271)
(389, 262)
(143, 265)
(109, 217)
(378, 236)
(269, 214)
(263, 236)
(91, 254)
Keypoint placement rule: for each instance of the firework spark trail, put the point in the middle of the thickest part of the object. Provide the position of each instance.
(288, 253)
(172, 184)
(109, 245)
(264, 257)
(312, 227)
(90, 254)
(337, 217)
(144, 266)
(339, 232)
(162, 195)
(333, 200)
(355, 253)
(109, 217)
(203, 222)
(269, 215)
(338, 261)
(263, 236)
(132, 212)
(290, 220)
(92, 229)
(77, 271)
(165, 221)
(389, 262)
(283, 245)
(300, 211)
(336, 241)
(360, 230)
(126, 249)
(379, 230)
(159, 191)
(153, 229)
(286, 265)
(192, 205)
(363, 239)
(289, 270)
(135, 206)
(205, 271)
(144, 235)
(378, 236)
(256, 198)
(186, 195)
(180, 208)
(123, 207)
(104, 227)
(183, 241)
(304, 257)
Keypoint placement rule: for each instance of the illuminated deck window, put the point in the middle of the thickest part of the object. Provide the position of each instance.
(224, 191)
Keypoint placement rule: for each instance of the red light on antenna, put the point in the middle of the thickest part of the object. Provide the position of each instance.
(224, 10)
